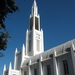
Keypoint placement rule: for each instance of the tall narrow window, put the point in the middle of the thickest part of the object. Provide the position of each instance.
(36, 23)
(48, 70)
(25, 73)
(31, 23)
(65, 65)
(35, 71)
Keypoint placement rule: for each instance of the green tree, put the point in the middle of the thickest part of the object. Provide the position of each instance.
(6, 7)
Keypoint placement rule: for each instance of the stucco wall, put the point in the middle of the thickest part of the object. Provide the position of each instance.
(18, 60)
(45, 63)
(33, 67)
(60, 64)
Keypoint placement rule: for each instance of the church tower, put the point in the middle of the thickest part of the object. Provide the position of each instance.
(34, 36)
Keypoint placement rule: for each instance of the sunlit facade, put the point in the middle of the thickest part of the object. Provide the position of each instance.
(33, 60)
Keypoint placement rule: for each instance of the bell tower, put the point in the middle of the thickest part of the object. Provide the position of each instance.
(34, 36)
(34, 17)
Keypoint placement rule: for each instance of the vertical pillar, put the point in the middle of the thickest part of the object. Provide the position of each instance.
(20, 72)
(15, 59)
(23, 54)
(42, 41)
(39, 21)
(55, 63)
(34, 29)
(4, 69)
(29, 68)
(40, 66)
(33, 41)
(10, 67)
(34, 14)
(26, 42)
(73, 57)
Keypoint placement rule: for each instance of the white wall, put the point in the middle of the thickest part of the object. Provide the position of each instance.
(45, 63)
(60, 64)
(33, 67)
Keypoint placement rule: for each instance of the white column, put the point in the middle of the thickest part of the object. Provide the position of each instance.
(55, 63)
(39, 21)
(26, 42)
(23, 54)
(34, 17)
(33, 30)
(21, 71)
(33, 41)
(73, 57)
(40, 66)
(29, 68)
(4, 69)
(15, 58)
(42, 40)
(10, 67)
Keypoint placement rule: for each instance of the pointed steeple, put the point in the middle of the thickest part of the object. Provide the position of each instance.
(34, 8)
(23, 47)
(4, 69)
(15, 58)
(23, 54)
(34, 17)
(34, 3)
(10, 66)
(23, 51)
(16, 50)
(27, 31)
(34, 36)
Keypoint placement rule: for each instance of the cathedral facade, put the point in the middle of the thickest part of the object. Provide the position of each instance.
(33, 60)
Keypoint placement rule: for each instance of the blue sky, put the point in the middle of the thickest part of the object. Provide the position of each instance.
(57, 22)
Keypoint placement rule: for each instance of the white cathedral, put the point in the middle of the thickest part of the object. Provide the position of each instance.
(32, 60)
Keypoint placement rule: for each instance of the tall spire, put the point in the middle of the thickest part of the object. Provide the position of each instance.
(4, 69)
(34, 17)
(35, 3)
(10, 66)
(34, 36)
(34, 8)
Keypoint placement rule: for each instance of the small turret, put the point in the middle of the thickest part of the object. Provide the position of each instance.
(23, 52)
(4, 69)
(16, 50)
(10, 67)
(15, 58)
